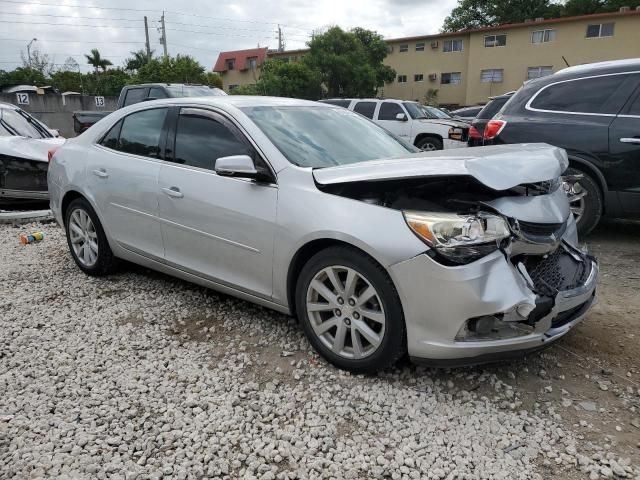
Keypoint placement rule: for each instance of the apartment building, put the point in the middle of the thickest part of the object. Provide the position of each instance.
(467, 67)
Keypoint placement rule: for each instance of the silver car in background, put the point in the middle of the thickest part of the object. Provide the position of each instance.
(380, 250)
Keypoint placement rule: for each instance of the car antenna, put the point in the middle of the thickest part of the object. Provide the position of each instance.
(565, 61)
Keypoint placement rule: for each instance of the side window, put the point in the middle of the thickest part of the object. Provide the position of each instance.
(388, 111)
(134, 95)
(365, 108)
(110, 140)
(634, 109)
(140, 132)
(157, 93)
(201, 140)
(589, 95)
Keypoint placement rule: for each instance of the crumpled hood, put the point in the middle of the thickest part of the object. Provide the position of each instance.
(499, 167)
(28, 148)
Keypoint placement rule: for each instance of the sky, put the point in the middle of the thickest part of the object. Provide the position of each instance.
(200, 28)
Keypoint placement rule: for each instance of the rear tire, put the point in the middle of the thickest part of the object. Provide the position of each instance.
(429, 144)
(350, 310)
(588, 209)
(87, 241)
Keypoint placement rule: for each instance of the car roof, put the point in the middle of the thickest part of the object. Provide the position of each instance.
(599, 68)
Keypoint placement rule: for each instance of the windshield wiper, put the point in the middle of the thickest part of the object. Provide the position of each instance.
(35, 123)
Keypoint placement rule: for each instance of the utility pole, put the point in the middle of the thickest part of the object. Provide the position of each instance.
(146, 34)
(29, 50)
(163, 39)
(280, 40)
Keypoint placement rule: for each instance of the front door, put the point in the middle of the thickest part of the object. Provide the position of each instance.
(387, 117)
(122, 175)
(624, 156)
(217, 227)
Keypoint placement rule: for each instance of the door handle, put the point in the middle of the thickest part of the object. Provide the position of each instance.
(100, 172)
(173, 192)
(635, 140)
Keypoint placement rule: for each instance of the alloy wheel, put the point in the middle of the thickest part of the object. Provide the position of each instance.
(345, 312)
(83, 237)
(576, 193)
(428, 147)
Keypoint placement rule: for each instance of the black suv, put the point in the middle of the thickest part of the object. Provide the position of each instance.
(592, 111)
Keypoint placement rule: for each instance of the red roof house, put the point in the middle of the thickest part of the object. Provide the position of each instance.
(240, 60)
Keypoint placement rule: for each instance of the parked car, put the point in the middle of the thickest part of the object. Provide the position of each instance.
(592, 111)
(490, 109)
(467, 113)
(132, 94)
(435, 112)
(379, 249)
(408, 121)
(24, 143)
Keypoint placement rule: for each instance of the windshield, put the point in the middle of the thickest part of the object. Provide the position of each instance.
(323, 136)
(194, 91)
(433, 112)
(22, 124)
(415, 110)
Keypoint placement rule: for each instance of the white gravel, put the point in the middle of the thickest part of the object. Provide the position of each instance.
(143, 376)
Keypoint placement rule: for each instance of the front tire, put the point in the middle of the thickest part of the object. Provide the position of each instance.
(585, 199)
(350, 310)
(87, 241)
(429, 144)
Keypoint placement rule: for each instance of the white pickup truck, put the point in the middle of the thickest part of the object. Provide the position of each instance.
(410, 121)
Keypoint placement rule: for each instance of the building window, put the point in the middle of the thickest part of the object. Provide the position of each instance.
(404, 48)
(600, 30)
(543, 36)
(537, 72)
(233, 87)
(402, 79)
(451, 78)
(420, 47)
(452, 46)
(418, 77)
(491, 75)
(252, 63)
(230, 64)
(495, 40)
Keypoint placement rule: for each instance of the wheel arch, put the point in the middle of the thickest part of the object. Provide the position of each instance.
(421, 136)
(593, 172)
(69, 197)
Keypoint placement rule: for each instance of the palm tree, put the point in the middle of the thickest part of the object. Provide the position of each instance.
(139, 60)
(96, 61)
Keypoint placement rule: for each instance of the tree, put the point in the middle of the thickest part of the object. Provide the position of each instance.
(350, 63)
(22, 76)
(97, 62)
(482, 13)
(138, 60)
(296, 80)
(212, 79)
(67, 81)
(179, 69)
(38, 61)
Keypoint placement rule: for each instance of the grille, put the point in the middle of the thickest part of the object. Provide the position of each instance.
(556, 272)
(539, 229)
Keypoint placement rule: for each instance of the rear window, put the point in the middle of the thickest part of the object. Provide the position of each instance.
(491, 108)
(133, 95)
(585, 95)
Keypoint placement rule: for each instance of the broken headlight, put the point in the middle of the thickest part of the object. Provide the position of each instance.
(459, 238)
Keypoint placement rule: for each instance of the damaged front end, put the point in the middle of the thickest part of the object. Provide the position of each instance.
(501, 273)
(22, 179)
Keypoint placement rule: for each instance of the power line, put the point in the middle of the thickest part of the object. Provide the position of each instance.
(141, 42)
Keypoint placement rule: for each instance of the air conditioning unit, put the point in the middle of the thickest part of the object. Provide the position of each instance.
(435, 44)
(433, 77)
(625, 9)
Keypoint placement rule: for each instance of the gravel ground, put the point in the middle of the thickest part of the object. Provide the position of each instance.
(139, 375)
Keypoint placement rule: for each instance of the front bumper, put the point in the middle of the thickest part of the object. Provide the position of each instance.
(448, 143)
(439, 300)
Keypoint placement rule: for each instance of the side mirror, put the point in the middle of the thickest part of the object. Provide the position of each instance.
(240, 166)
(401, 117)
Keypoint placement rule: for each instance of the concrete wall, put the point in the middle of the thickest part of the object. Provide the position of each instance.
(57, 112)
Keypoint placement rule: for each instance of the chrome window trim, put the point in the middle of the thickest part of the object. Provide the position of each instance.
(535, 95)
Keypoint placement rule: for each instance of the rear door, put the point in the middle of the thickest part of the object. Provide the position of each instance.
(387, 118)
(122, 177)
(624, 150)
(221, 228)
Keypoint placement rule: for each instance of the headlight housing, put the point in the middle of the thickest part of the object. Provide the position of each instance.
(459, 239)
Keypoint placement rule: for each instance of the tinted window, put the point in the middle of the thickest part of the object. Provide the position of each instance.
(589, 95)
(324, 137)
(156, 92)
(140, 133)
(338, 103)
(388, 111)
(110, 140)
(365, 108)
(134, 95)
(491, 108)
(634, 109)
(200, 140)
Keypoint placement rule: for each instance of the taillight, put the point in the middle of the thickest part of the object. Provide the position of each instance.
(51, 152)
(474, 133)
(493, 129)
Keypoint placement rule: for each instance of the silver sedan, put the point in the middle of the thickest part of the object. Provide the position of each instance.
(379, 250)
